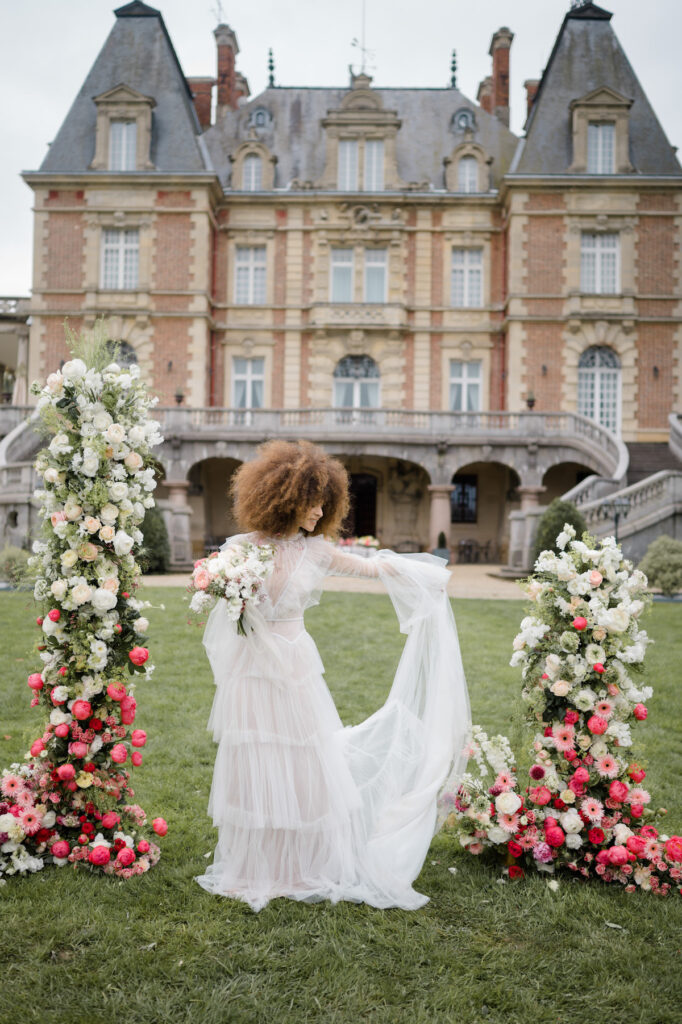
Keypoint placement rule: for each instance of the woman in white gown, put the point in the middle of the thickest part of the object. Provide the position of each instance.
(306, 808)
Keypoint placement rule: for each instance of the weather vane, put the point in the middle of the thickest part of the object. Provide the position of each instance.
(217, 12)
(360, 45)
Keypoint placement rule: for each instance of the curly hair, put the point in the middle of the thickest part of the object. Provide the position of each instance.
(273, 492)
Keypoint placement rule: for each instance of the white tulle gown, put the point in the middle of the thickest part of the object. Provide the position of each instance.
(306, 808)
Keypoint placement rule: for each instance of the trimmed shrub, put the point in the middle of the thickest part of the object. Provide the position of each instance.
(155, 553)
(551, 524)
(14, 565)
(662, 564)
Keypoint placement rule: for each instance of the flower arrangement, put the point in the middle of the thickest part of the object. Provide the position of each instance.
(367, 541)
(236, 573)
(70, 802)
(584, 808)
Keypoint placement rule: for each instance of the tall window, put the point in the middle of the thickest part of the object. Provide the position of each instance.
(248, 383)
(356, 383)
(120, 258)
(464, 498)
(599, 387)
(252, 173)
(467, 174)
(122, 145)
(599, 263)
(341, 275)
(375, 275)
(249, 287)
(465, 386)
(348, 165)
(374, 165)
(466, 285)
(601, 148)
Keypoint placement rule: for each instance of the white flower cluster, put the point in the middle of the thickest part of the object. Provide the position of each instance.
(236, 573)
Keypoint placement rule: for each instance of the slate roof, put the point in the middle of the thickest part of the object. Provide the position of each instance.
(586, 56)
(297, 138)
(138, 52)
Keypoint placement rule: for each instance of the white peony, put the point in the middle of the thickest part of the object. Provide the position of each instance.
(60, 693)
(571, 821)
(102, 600)
(616, 620)
(118, 491)
(58, 589)
(108, 513)
(81, 593)
(115, 433)
(74, 369)
(59, 445)
(507, 803)
(122, 543)
(573, 841)
(141, 625)
(101, 420)
(90, 465)
(497, 835)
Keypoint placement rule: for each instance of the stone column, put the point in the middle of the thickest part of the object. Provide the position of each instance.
(524, 526)
(439, 513)
(178, 534)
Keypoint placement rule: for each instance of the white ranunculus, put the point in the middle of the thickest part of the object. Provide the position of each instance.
(74, 369)
(115, 433)
(81, 593)
(102, 600)
(122, 543)
(507, 803)
(68, 558)
(90, 464)
(58, 589)
(101, 420)
(141, 625)
(108, 513)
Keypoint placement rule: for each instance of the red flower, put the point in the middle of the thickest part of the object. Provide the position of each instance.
(110, 819)
(554, 836)
(138, 655)
(636, 773)
(60, 849)
(143, 846)
(88, 828)
(618, 790)
(640, 712)
(81, 709)
(160, 826)
(138, 738)
(514, 848)
(95, 724)
(571, 717)
(54, 615)
(99, 855)
(516, 872)
(598, 667)
(35, 681)
(579, 622)
(540, 795)
(673, 848)
(636, 845)
(66, 772)
(548, 730)
(597, 725)
(37, 747)
(136, 758)
(116, 691)
(596, 836)
(125, 856)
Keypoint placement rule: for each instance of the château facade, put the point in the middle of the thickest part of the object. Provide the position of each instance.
(474, 322)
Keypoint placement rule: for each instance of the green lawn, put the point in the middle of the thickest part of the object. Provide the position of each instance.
(80, 948)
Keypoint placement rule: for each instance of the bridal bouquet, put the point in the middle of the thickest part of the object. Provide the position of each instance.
(237, 574)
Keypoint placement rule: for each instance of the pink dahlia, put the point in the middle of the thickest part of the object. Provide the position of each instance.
(537, 772)
(564, 736)
(593, 809)
(607, 767)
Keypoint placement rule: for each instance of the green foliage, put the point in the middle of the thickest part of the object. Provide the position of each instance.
(155, 553)
(662, 564)
(552, 522)
(14, 565)
(93, 347)
(159, 948)
(442, 543)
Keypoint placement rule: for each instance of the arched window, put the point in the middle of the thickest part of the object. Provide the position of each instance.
(252, 173)
(124, 352)
(599, 387)
(467, 174)
(356, 383)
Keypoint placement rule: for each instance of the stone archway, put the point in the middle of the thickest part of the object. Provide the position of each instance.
(208, 498)
(482, 496)
(563, 477)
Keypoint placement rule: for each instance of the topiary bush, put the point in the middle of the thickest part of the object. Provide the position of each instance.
(155, 554)
(13, 565)
(551, 524)
(662, 564)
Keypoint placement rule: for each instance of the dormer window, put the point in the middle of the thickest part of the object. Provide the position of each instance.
(348, 165)
(463, 120)
(253, 167)
(601, 144)
(467, 174)
(252, 173)
(123, 131)
(467, 169)
(260, 118)
(374, 165)
(360, 142)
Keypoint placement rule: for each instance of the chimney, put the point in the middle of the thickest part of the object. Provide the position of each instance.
(202, 90)
(484, 95)
(499, 50)
(532, 85)
(228, 48)
(241, 87)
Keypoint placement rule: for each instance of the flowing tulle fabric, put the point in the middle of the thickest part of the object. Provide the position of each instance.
(304, 807)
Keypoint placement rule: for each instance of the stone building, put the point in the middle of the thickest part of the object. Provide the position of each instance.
(474, 322)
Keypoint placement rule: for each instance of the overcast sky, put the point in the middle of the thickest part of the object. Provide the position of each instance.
(48, 46)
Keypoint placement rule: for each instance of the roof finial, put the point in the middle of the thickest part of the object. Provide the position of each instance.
(453, 70)
(580, 3)
(271, 69)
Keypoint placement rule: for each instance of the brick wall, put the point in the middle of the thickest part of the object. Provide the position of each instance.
(545, 255)
(655, 393)
(656, 255)
(543, 348)
(171, 343)
(172, 253)
(54, 350)
(64, 256)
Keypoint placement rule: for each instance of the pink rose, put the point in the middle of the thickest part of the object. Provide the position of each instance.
(138, 738)
(475, 848)
(640, 712)
(579, 622)
(37, 748)
(61, 730)
(110, 819)
(673, 848)
(35, 681)
(119, 754)
(571, 717)
(618, 855)
(540, 795)
(78, 749)
(554, 836)
(136, 758)
(618, 790)
(54, 615)
(81, 709)
(66, 772)
(160, 826)
(143, 846)
(99, 855)
(597, 725)
(636, 845)
(116, 691)
(201, 579)
(125, 856)
(60, 849)
(581, 775)
(598, 667)
(603, 857)
(594, 577)
(138, 655)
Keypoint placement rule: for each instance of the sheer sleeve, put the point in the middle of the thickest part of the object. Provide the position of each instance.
(343, 563)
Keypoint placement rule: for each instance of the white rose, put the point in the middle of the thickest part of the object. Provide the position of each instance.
(90, 464)
(616, 620)
(507, 803)
(141, 625)
(74, 369)
(118, 491)
(68, 558)
(92, 524)
(115, 433)
(108, 513)
(58, 589)
(122, 543)
(133, 460)
(51, 476)
(59, 445)
(81, 593)
(101, 420)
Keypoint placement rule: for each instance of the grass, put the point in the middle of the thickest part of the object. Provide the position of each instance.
(76, 947)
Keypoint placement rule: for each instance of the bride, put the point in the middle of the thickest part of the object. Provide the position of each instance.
(304, 807)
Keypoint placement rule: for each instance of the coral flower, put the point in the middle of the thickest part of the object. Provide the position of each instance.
(505, 781)
(593, 809)
(564, 735)
(604, 708)
(11, 785)
(509, 822)
(607, 767)
(30, 821)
